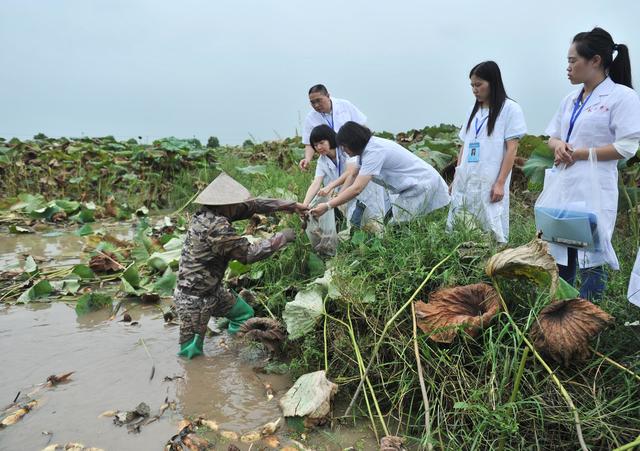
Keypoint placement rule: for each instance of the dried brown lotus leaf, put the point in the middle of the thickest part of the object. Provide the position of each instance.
(470, 306)
(105, 262)
(531, 261)
(564, 328)
(265, 330)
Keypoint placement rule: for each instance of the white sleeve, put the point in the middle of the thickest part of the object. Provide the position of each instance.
(462, 134)
(626, 147)
(515, 126)
(356, 115)
(353, 161)
(625, 117)
(320, 168)
(371, 163)
(555, 126)
(306, 130)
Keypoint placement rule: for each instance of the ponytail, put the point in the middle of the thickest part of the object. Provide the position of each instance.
(620, 69)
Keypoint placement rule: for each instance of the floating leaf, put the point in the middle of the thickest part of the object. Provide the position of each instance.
(85, 230)
(303, 312)
(161, 260)
(471, 307)
(83, 271)
(90, 302)
(30, 265)
(40, 290)
(19, 229)
(531, 261)
(564, 328)
(166, 284)
(68, 286)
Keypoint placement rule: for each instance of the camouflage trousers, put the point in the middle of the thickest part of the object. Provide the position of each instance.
(194, 311)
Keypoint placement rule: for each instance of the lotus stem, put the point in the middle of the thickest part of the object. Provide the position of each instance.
(614, 363)
(516, 387)
(324, 336)
(631, 445)
(366, 397)
(554, 378)
(423, 388)
(361, 366)
(390, 322)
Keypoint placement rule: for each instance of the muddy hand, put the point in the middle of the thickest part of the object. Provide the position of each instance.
(301, 209)
(289, 235)
(320, 210)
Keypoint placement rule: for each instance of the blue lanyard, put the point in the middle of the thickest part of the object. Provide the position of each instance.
(577, 109)
(478, 128)
(338, 162)
(326, 118)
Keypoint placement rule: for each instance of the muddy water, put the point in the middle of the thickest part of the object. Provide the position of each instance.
(56, 246)
(112, 372)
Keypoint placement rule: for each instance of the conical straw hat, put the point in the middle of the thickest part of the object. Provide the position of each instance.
(223, 191)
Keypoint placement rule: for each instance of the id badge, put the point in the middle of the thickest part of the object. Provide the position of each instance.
(474, 152)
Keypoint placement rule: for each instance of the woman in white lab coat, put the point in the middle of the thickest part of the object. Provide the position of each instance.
(633, 292)
(602, 117)
(414, 187)
(490, 141)
(335, 168)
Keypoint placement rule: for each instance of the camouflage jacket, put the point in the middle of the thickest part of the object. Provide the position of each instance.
(212, 241)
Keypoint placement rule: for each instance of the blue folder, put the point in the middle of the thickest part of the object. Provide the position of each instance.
(577, 229)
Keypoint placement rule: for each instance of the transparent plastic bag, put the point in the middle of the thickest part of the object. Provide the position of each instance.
(322, 231)
(569, 206)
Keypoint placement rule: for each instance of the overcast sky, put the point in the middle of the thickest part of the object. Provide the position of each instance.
(241, 68)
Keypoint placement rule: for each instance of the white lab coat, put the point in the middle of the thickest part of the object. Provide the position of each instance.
(611, 114)
(373, 196)
(342, 111)
(633, 293)
(471, 189)
(414, 187)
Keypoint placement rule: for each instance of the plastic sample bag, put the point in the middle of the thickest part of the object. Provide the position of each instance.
(322, 231)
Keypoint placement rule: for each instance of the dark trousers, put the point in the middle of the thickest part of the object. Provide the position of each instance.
(593, 280)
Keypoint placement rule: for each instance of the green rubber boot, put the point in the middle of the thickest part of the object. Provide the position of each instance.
(238, 314)
(192, 348)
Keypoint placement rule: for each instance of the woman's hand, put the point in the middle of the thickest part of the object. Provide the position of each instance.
(563, 153)
(320, 209)
(497, 192)
(324, 192)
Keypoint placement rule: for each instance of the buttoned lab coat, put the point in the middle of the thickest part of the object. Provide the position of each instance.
(612, 113)
(471, 190)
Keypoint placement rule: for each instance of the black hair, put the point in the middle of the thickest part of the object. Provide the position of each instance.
(322, 89)
(489, 72)
(322, 132)
(599, 42)
(354, 136)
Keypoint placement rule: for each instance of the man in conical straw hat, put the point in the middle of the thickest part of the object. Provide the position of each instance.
(210, 244)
